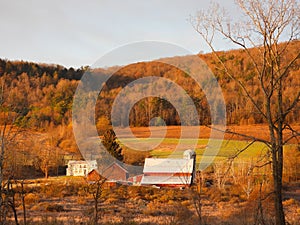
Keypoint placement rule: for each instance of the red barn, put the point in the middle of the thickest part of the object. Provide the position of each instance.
(170, 172)
(93, 176)
(136, 179)
(115, 172)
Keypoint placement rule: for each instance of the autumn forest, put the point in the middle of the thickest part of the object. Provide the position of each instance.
(43, 93)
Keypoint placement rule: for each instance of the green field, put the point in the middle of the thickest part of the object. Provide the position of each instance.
(170, 147)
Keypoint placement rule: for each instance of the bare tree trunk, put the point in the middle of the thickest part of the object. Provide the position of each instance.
(277, 182)
(97, 195)
(23, 203)
(196, 197)
(15, 214)
(96, 211)
(46, 172)
(1, 168)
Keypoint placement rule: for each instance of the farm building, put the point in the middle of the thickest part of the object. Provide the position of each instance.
(135, 180)
(93, 176)
(115, 175)
(80, 168)
(115, 172)
(170, 172)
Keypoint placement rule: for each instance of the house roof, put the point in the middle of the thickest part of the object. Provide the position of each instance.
(114, 163)
(168, 180)
(76, 162)
(154, 165)
(93, 171)
(93, 175)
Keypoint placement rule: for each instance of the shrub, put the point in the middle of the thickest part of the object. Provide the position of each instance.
(134, 192)
(40, 206)
(186, 203)
(81, 200)
(215, 194)
(52, 190)
(55, 208)
(112, 200)
(182, 214)
(289, 202)
(153, 209)
(235, 191)
(31, 199)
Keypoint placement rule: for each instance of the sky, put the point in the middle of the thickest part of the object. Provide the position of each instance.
(77, 33)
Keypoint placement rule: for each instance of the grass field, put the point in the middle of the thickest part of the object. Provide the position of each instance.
(173, 147)
(174, 142)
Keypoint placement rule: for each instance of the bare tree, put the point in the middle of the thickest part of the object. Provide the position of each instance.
(260, 33)
(221, 173)
(10, 112)
(95, 188)
(197, 198)
(45, 153)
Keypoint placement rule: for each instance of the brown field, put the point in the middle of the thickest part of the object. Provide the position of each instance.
(258, 130)
(63, 200)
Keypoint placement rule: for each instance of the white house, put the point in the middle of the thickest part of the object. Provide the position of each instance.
(80, 168)
(170, 172)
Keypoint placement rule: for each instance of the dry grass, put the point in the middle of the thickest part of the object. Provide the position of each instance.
(144, 205)
(204, 132)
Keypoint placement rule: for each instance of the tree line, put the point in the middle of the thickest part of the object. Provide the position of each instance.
(43, 94)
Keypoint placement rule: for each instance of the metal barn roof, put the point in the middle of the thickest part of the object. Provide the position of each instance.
(153, 165)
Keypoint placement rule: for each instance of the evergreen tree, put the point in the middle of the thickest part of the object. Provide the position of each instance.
(110, 143)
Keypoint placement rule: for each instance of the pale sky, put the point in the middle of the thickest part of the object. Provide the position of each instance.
(76, 33)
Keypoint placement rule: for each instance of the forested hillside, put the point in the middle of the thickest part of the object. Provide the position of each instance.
(43, 94)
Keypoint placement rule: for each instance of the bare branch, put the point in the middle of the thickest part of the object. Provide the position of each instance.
(295, 134)
(249, 137)
(242, 150)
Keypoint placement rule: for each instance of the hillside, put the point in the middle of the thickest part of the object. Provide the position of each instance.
(43, 93)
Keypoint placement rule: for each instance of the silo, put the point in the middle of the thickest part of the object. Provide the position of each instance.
(191, 154)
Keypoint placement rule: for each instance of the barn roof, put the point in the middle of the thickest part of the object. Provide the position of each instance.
(116, 164)
(154, 165)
